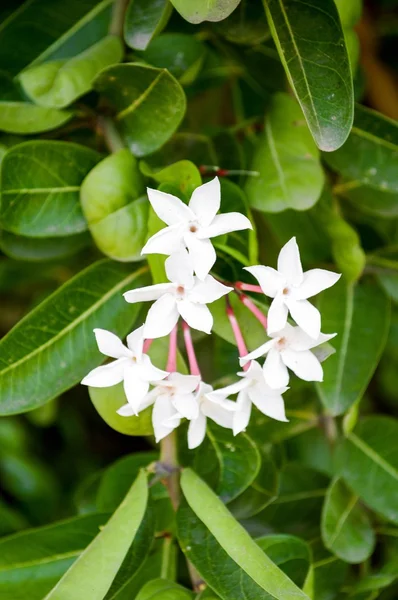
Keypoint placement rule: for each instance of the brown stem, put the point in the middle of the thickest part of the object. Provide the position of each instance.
(117, 21)
(111, 135)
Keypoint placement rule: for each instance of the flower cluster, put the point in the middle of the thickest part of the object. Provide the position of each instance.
(187, 242)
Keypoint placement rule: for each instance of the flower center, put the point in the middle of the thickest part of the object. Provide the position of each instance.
(180, 290)
(285, 291)
(193, 228)
(281, 343)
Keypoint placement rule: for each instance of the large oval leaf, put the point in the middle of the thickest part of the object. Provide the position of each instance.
(311, 46)
(150, 104)
(346, 528)
(223, 552)
(40, 184)
(287, 161)
(196, 11)
(368, 461)
(360, 315)
(53, 347)
(162, 589)
(144, 20)
(290, 553)
(25, 118)
(31, 249)
(107, 550)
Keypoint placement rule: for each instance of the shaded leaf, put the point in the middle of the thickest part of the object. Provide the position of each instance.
(21, 247)
(162, 589)
(197, 11)
(25, 118)
(290, 553)
(53, 347)
(183, 174)
(144, 20)
(108, 400)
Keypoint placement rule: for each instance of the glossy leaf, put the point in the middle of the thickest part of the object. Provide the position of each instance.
(31, 562)
(144, 20)
(150, 104)
(247, 25)
(208, 523)
(162, 589)
(371, 200)
(108, 549)
(183, 174)
(371, 449)
(290, 553)
(40, 183)
(25, 118)
(30, 249)
(311, 46)
(57, 84)
(197, 11)
(53, 347)
(346, 528)
(370, 154)
(360, 315)
(287, 160)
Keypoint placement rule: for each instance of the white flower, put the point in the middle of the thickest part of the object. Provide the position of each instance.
(192, 225)
(290, 288)
(219, 410)
(252, 389)
(131, 366)
(186, 295)
(173, 399)
(289, 348)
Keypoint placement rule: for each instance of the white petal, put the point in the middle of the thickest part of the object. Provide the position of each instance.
(225, 223)
(109, 344)
(149, 372)
(147, 293)
(196, 431)
(315, 281)
(161, 317)
(241, 417)
(277, 315)
(228, 390)
(254, 372)
(179, 268)
(306, 316)
(209, 290)
(135, 341)
(304, 364)
(169, 208)
(289, 263)
(135, 388)
(260, 351)
(322, 338)
(125, 411)
(106, 376)
(270, 405)
(218, 414)
(165, 241)
(202, 254)
(149, 399)
(270, 280)
(205, 201)
(184, 383)
(275, 372)
(162, 414)
(198, 316)
(186, 405)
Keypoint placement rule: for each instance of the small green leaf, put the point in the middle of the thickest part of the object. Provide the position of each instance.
(53, 347)
(197, 11)
(346, 528)
(30, 249)
(289, 553)
(108, 549)
(144, 20)
(311, 46)
(150, 104)
(183, 174)
(368, 461)
(255, 571)
(247, 25)
(57, 84)
(162, 589)
(360, 315)
(287, 160)
(25, 118)
(40, 183)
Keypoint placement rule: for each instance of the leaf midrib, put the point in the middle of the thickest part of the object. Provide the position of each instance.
(43, 561)
(65, 189)
(136, 103)
(343, 518)
(373, 455)
(374, 138)
(344, 343)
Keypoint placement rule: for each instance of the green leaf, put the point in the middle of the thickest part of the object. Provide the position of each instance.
(346, 528)
(311, 46)
(368, 461)
(116, 216)
(326, 576)
(40, 183)
(150, 104)
(289, 553)
(234, 554)
(369, 199)
(53, 347)
(247, 25)
(369, 155)
(349, 310)
(183, 174)
(287, 160)
(43, 30)
(162, 589)
(144, 20)
(107, 550)
(30, 249)
(58, 83)
(31, 562)
(25, 118)
(197, 11)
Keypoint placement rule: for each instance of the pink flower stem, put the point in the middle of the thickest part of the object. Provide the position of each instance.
(193, 363)
(254, 309)
(147, 345)
(248, 287)
(240, 342)
(171, 366)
